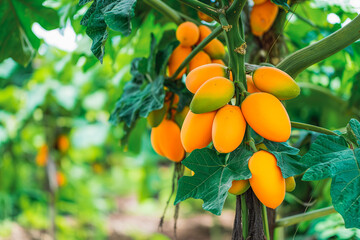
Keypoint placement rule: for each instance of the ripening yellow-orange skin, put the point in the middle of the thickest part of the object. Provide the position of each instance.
(201, 58)
(215, 48)
(212, 95)
(204, 17)
(267, 181)
(196, 130)
(42, 156)
(262, 17)
(188, 34)
(228, 128)
(219, 61)
(267, 116)
(277, 82)
(251, 88)
(201, 74)
(256, 2)
(60, 179)
(165, 140)
(177, 57)
(290, 184)
(238, 187)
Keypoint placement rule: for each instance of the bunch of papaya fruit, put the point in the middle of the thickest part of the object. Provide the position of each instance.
(262, 16)
(189, 35)
(212, 119)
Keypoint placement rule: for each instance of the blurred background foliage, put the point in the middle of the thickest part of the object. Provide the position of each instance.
(90, 187)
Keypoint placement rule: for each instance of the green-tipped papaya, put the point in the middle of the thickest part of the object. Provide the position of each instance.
(155, 117)
(228, 129)
(290, 184)
(277, 82)
(196, 130)
(266, 181)
(212, 95)
(267, 116)
(180, 116)
(238, 187)
(201, 74)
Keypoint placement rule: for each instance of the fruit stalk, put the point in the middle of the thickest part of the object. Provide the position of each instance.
(196, 50)
(314, 53)
(313, 128)
(265, 221)
(164, 9)
(202, 7)
(295, 219)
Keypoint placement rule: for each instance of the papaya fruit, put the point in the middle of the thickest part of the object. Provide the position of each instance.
(267, 116)
(155, 117)
(165, 140)
(177, 57)
(187, 34)
(251, 88)
(262, 17)
(188, 172)
(214, 48)
(42, 156)
(180, 116)
(238, 187)
(257, 2)
(201, 74)
(196, 130)
(62, 143)
(219, 61)
(266, 181)
(290, 184)
(204, 17)
(228, 128)
(212, 95)
(60, 179)
(277, 82)
(201, 58)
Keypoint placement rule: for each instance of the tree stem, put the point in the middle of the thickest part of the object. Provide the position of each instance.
(165, 9)
(295, 219)
(304, 58)
(195, 51)
(202, 7)
(313, 128)
(244, 215)
(265, 222)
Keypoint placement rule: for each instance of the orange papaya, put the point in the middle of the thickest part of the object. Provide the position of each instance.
(201, 58)
(42, 156)
(214, 48)
(177, 57)
(188, 34)
(238, 187)
(204, 17)
(251, 88)
(262, 17)
(219, 61)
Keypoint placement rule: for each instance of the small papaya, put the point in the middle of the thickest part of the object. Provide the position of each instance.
(177, 57)
(219, 61)
(290, 184)
(277, 82)
(201, 58)
(165, 140)
(214, 48)
(180, 116)
(212, 95)
(42, 156)
(251, 88)
(201, 74)
(188, 34)
(267, 116)
(204, 17)
(155, 117)
(196, 130)
(228, 128)
(266, 181)
(60, 179)
(262, 17)
(238, 187)
(62, 143)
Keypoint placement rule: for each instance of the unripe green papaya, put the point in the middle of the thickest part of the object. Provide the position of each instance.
(290, 184)
(155, 117)
(212, 95)
(180, 116)
(238, 187)
(277, 82)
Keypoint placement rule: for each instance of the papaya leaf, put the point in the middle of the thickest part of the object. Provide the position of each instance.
(330, 157)
(115, 14)
(281, 3)
(287, 157)
(16, 37)
(213, 176)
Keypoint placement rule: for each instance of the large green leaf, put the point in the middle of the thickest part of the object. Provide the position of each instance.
(330, 157)
(16, 38)
(287, 157)
(213, 176)
(115, 14)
